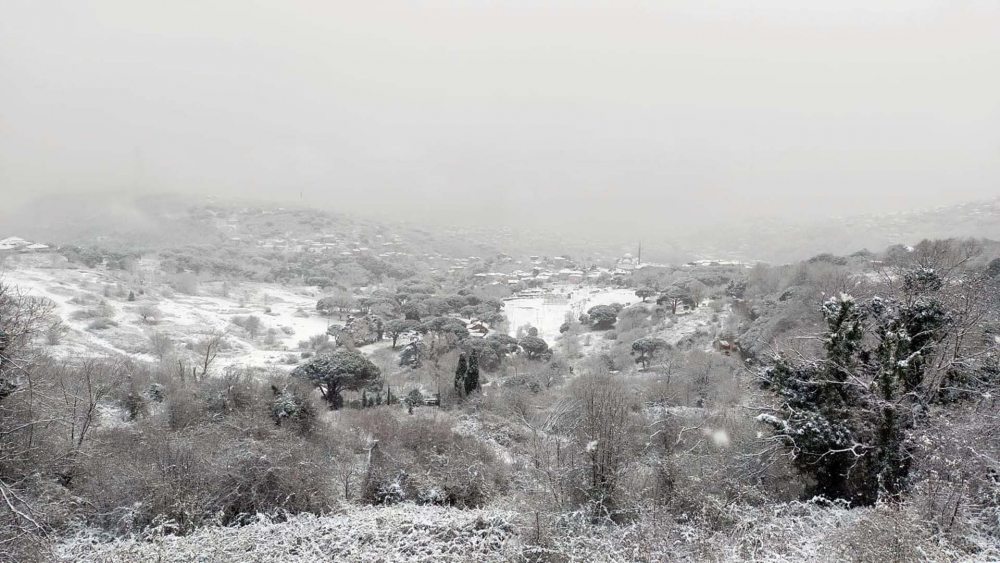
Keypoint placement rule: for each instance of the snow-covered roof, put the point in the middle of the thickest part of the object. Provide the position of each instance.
(37, 246)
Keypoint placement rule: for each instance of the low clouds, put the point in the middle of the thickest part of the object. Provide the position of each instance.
(616, 115)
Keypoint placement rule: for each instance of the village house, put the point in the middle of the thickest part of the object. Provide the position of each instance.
(477, 328)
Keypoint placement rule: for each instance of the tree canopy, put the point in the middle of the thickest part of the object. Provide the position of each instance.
(397, 327)
(644, 293)
(603, 316)
(673, 297)
(647, 347)
(503, 344)
(534, 347)
(333, 373)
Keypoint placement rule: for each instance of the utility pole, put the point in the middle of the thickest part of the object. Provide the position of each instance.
(638, 259)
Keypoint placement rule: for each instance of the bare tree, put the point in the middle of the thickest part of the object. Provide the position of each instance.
(697, 291)
(207, 349)
(149, 313)
(21, 318)
(161, 344)
(253, 326)
(82, 389)
(605, 434)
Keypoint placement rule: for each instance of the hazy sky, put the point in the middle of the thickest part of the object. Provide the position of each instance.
(599, 113)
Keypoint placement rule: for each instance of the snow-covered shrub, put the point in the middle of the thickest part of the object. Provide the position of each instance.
(209, 474)
(55, 332)
(134, 404)
(101, 323)
(156, 392)
(421, 457)
(292, 406)
(236, 390)
(883, 534)
(184, 409)
(403, 534)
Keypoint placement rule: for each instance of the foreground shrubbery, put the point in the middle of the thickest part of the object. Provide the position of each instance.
(422, 459)
(789, 532)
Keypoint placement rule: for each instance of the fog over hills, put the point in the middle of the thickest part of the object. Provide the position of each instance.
(385, 281)
(165, 219)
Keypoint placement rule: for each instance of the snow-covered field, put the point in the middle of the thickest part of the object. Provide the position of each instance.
(688, 323)
(290, 311)
(548, 313)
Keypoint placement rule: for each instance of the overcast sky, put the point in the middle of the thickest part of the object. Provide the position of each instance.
(597, 113)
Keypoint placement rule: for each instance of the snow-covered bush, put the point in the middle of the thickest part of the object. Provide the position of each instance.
(421, 457)
(210, 474)
(398, 534)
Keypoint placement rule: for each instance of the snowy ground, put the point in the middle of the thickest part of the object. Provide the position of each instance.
(674, 329)
(291, 311)
(688, 323)
(548, 313)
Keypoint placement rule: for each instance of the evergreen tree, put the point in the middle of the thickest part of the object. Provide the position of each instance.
(472, 375)
(460, 374)
(845, 418)
(333, 373)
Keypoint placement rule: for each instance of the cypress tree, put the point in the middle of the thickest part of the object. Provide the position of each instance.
(472, 374)
(460, 375)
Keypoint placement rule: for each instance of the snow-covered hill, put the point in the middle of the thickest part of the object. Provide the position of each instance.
(82, 296)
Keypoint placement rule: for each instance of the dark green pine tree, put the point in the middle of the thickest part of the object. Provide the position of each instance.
(460, 374)
(472, 374)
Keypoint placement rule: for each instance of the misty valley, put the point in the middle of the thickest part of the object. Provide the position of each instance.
(499, 282)
(301, 385)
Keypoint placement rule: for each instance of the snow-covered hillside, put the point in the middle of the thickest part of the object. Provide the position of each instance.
(78, 293)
